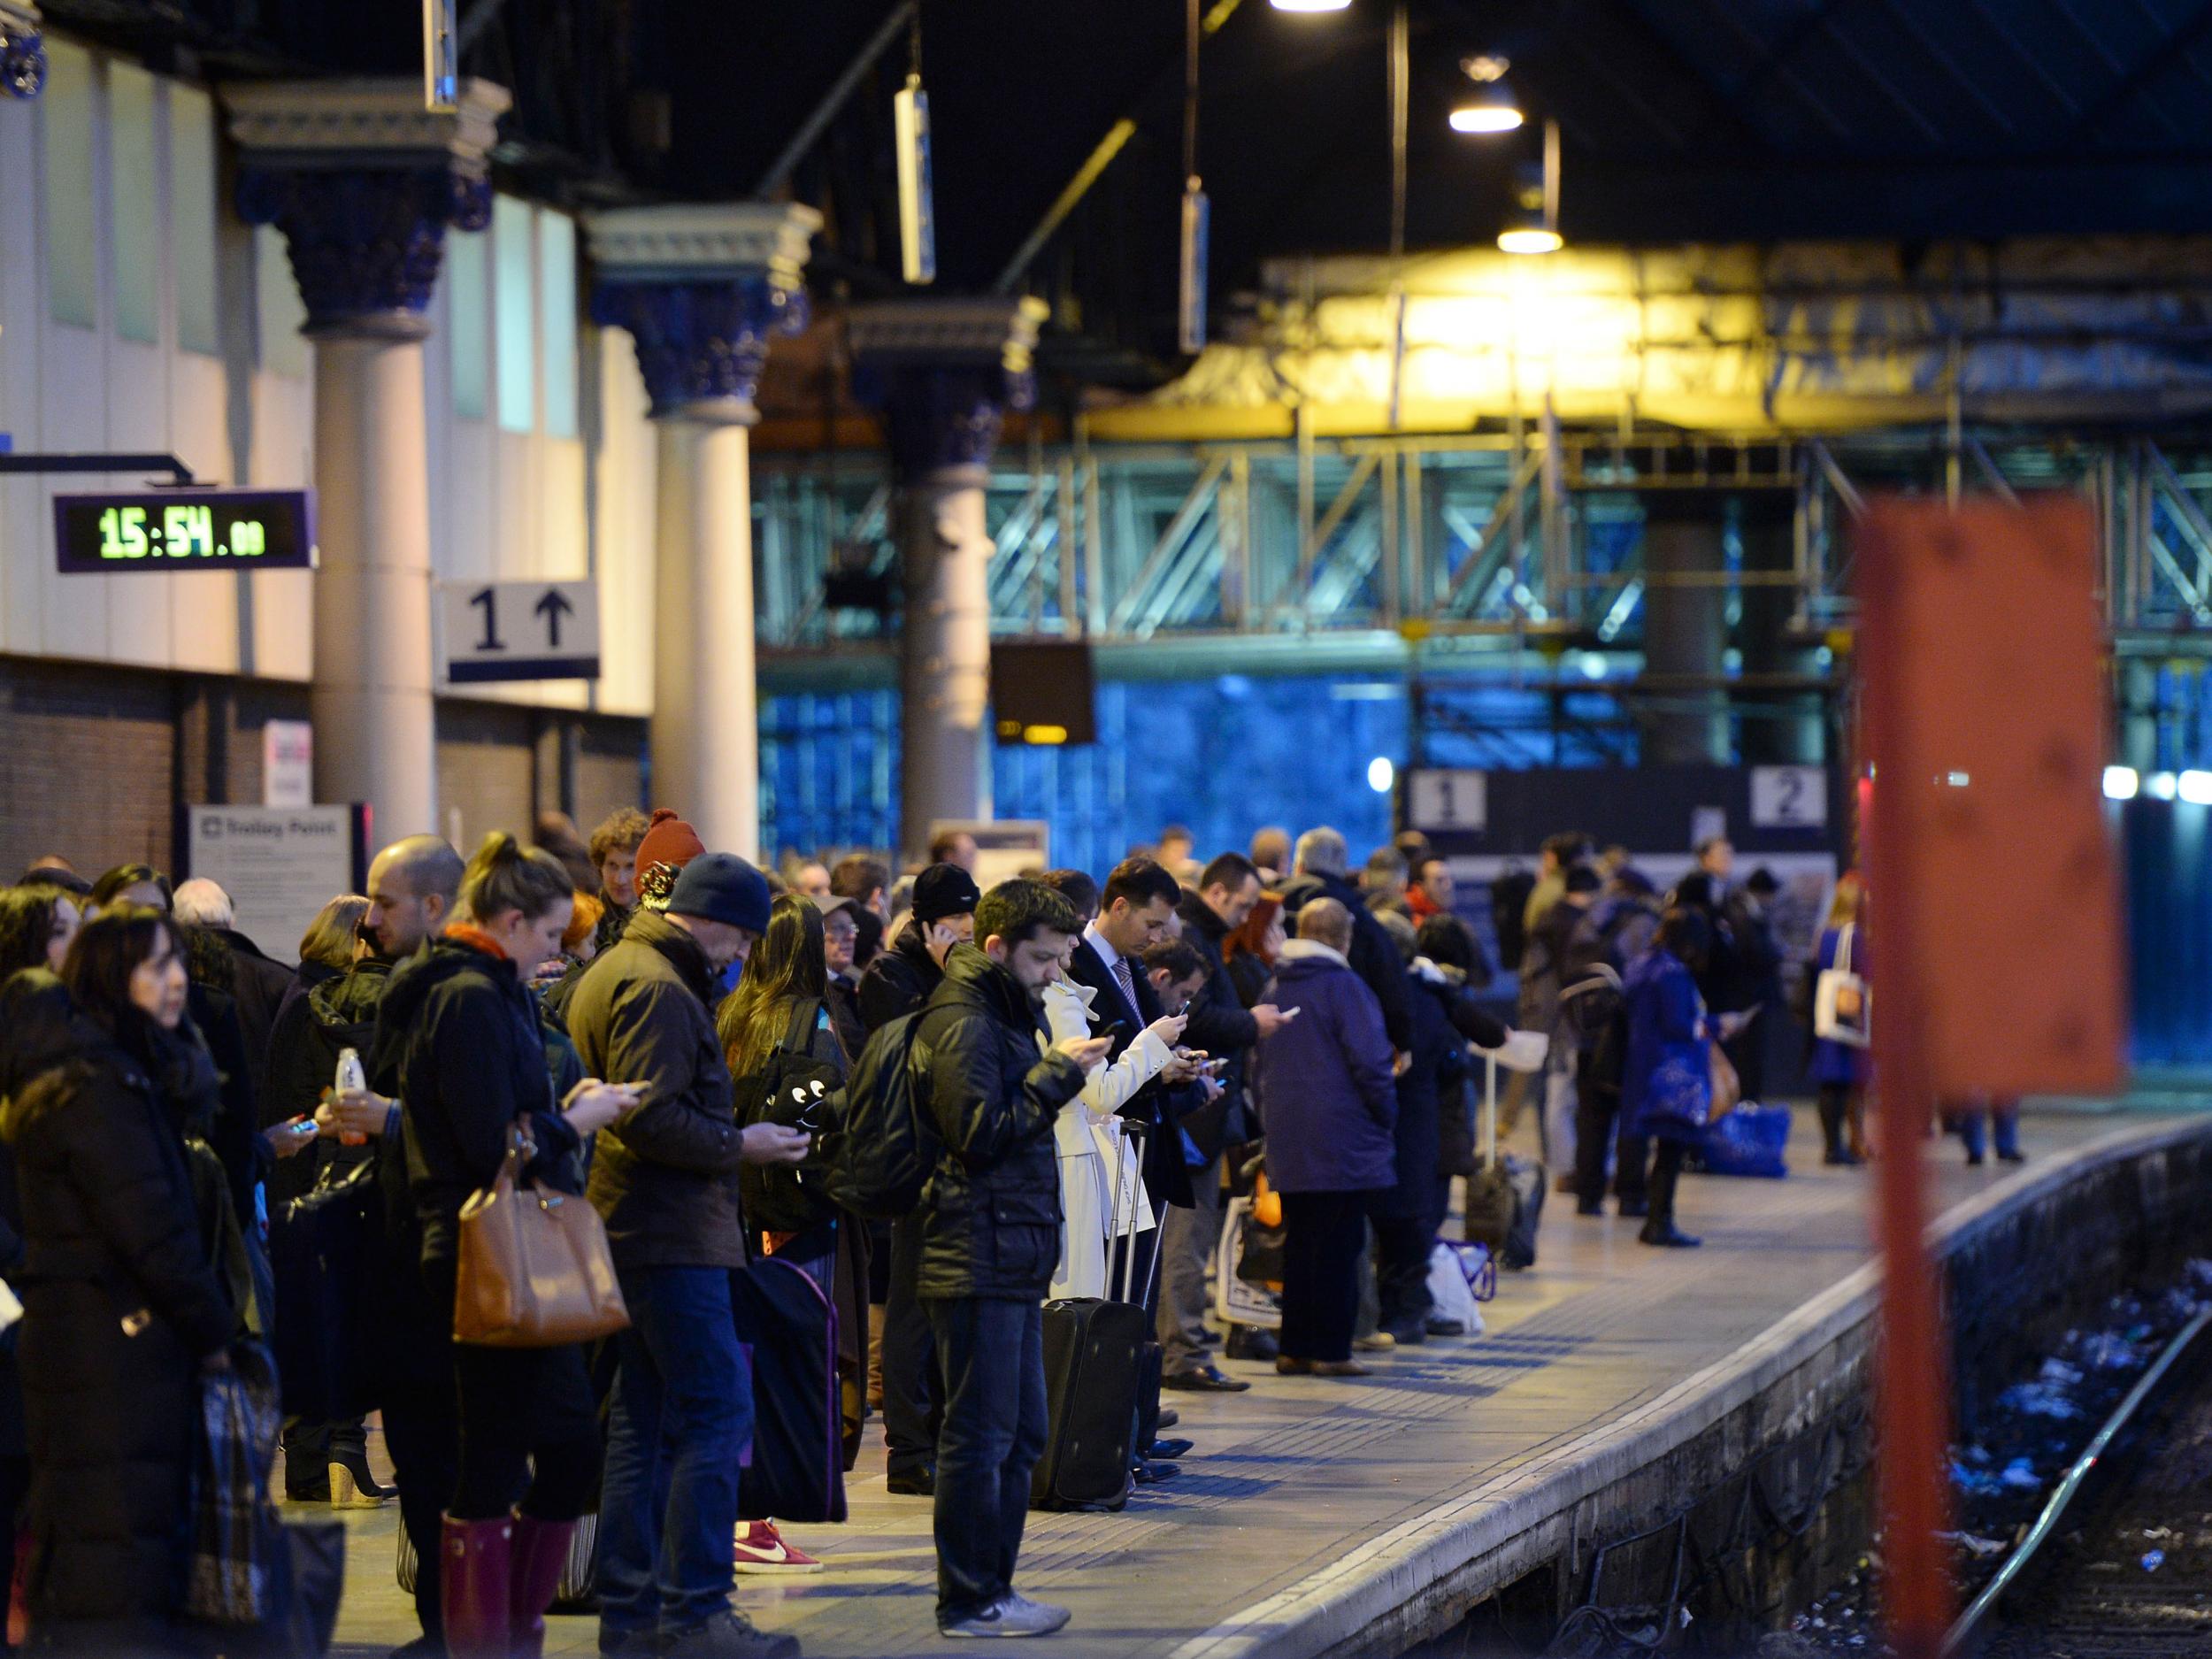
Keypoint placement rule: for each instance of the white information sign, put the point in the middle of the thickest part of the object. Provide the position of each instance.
(1448, 800)
(520, 631)
(1789, 798)
(287, 763)
(279, 864)
(1004, 847)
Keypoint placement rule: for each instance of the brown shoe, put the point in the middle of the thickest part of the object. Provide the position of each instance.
(1285, 1366)
(1340, 1368)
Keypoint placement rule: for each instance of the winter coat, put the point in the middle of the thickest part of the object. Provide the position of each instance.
(230, 1116)
(1838, 1065)
(120, 1307)
(472, 1066)
(1667, 1084)
(665, 1177)
(843, 1001)
(313, 1030)
(990, 1214)
(1089, 1140)
(1327, 1101)
(899, 980)
(1544, 966)
(1153, 1104)
(1437, 1075)
(1249, 973)
(1221, 1024)
(1373, 955)
(258, 986)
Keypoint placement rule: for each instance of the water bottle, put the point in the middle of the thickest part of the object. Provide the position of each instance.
(351, 1080)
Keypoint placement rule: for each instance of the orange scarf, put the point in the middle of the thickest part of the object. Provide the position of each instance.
(468, 934)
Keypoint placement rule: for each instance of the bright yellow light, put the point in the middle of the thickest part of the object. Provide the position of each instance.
(1484, 117)
(1311, 5)
(1530, 239)
(1047, 734)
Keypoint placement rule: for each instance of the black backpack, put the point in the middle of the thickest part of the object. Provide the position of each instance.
(799, 1091)
(887, 1147)
(1590, 997)
(1508, 915)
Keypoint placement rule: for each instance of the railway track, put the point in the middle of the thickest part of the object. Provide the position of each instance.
(2118, 1564)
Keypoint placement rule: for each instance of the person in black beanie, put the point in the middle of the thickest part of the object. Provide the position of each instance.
(900, 980)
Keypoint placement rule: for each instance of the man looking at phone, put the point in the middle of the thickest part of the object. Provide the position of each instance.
(665, 1178)
(990, 1232)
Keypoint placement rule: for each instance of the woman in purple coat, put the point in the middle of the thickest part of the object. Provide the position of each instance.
(1667, 1084)
(1839, 1070)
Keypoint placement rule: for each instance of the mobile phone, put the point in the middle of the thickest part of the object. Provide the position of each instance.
(1115, 1029)
(303, 1127)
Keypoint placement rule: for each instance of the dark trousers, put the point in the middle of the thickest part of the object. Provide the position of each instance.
(991, 1355)
(1666, 1176)
(682, 1416)
(1326, 1234)
(309, 1448)
(912, 1395)
(1600, 1129)
(422, 1430)
(528, 1424)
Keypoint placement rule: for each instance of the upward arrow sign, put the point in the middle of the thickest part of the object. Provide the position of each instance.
(553, 606)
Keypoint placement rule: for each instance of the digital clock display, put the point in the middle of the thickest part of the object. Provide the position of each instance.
(174, 529)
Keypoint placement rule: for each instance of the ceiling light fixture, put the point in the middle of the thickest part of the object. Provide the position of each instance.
(1311, 5)
(1535, 225)
(1491, 107)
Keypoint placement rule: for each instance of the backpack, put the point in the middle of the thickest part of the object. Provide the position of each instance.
(799, 1091)
(1509, 914)
(1590, 998)
(886, 1147)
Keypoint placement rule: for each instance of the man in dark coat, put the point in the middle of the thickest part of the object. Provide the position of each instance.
(256, 984)
(990, 1226)
(1321, 875)
(1328, 1099)
(896, 983)
(665, 1180)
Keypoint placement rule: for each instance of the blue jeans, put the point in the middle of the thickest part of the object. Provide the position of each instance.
(991, 1355)
(2003, 1117)
(681, 1418)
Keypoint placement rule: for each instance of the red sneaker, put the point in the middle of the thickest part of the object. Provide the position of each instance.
(760, 1549)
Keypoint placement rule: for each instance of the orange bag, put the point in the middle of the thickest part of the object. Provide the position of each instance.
(534, 1270)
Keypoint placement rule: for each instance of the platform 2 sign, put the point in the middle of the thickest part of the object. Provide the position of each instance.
(498, 631)
(184, 529)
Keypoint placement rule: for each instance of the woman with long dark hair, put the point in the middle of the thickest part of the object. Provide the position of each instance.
(122, 1308)
(463, 1031)
(36, 927)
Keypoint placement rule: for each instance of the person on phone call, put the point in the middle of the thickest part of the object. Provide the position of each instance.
(470, 1055)
(897, 982)
(989, 1225)
(665, 1178)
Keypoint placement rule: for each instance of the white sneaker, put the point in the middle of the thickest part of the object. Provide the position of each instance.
(1011, 1614)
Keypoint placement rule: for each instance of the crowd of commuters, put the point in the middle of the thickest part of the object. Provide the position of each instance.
(1095, 1067)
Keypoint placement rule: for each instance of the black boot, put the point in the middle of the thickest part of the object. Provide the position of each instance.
(1659, 1228)
(1832, 1114)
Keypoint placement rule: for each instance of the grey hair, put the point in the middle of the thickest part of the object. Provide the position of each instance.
(203, 903)
(1321, 852)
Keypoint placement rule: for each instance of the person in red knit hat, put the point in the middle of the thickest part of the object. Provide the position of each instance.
(669, 845)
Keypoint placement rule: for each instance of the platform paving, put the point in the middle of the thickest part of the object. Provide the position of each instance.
(1290, 1479)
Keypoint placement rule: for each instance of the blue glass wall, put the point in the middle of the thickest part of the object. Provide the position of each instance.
(1224, 756)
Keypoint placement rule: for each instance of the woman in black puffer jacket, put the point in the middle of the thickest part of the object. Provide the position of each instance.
(463, 1030)
(122, 1309)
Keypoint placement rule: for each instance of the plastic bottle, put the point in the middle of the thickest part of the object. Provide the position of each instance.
(351, 1080)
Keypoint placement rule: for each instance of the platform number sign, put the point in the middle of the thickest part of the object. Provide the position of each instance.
(1447, 801)
(1789, 798)
(520, 631)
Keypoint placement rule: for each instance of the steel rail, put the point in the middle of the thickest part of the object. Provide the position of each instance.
(1969, 1626)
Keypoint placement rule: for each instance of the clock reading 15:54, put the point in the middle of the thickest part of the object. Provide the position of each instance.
(162, 530)
(130, 533)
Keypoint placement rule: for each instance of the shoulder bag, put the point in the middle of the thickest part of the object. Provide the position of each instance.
(534, 1270)
(1843, 1003)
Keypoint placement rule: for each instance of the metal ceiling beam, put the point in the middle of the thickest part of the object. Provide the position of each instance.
(1943, 60)
(1774, 65)
(2138, 77)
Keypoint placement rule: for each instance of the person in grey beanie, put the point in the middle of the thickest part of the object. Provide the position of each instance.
(666, 1182)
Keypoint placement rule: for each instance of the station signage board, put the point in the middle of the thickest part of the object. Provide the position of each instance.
(1448, 800)
(496, 631)
(279, 864)
(184, 529)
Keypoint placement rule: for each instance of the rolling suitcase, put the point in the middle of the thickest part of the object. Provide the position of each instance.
(1095, 1357)
(1505, 1195)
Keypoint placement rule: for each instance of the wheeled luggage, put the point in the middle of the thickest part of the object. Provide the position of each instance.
(1505, 1195)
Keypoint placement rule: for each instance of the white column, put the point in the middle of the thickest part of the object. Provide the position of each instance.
(945, 655)
(701, 290)
(363, 181)
(374, 712)
(943, 371)
(706, 721)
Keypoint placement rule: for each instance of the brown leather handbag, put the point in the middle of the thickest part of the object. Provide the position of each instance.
(534, 1268)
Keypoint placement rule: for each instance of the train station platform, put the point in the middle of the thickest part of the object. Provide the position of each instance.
(1314, 1514)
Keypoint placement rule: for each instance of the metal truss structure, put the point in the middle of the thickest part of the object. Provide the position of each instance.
(1475, 544)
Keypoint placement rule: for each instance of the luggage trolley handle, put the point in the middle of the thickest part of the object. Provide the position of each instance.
(1135, 1132)
(1489, 1109)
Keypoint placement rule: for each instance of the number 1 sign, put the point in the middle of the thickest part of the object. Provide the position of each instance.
(520, 631)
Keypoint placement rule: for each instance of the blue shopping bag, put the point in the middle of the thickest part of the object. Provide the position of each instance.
(1748, 1142)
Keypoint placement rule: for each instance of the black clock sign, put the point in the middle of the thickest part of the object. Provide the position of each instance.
(185, 529)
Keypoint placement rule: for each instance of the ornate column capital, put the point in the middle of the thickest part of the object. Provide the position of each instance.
(702, 289)
(363, 181)
(22, 52)
(944, 371)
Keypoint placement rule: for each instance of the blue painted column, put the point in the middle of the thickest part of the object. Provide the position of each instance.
(363, 182)
(943, 371)
(702, 291)
(22, 52)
